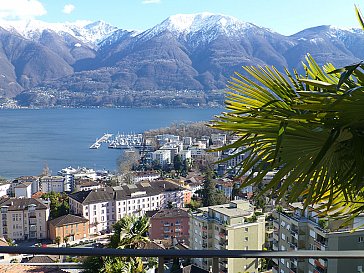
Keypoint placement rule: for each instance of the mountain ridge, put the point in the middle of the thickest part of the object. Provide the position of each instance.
(183, 52)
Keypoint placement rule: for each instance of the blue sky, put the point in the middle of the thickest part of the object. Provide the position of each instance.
(284, 16)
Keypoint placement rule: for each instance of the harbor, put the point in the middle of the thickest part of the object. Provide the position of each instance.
(126, 141)
(120, 141)
(105, 138)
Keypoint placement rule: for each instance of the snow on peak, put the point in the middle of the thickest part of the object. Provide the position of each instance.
(184, 24)
(202, 26)
(86, 31)
(187, 23)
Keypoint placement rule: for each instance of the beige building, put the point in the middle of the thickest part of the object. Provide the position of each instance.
(299, 229)
(74, 227)
(23, 218)
(233, 226)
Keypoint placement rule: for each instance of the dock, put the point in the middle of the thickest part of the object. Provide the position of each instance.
(98, 142)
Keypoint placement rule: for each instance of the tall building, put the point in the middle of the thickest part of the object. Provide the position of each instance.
(297, 228)
(103, 207)
(53, 183)
(170, 223)
(23, 218)
(231, 226)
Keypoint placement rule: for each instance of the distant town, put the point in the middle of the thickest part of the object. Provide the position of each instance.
(186, 187)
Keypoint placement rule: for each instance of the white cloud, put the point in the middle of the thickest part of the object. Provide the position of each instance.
(21, 9)
(68, 8)
(151, 1)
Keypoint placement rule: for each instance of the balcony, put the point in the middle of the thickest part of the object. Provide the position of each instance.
(320, 263)
(214, 255)
(222, 235)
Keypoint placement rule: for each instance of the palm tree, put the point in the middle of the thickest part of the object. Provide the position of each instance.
(65, 240)
(308, 128)
(129, 232)
(57, 240)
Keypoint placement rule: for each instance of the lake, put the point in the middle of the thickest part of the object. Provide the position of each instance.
(62, 137)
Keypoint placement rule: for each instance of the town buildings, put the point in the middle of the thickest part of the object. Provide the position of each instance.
(170, 223)
(297, 228)
(229, 226)
(103, 207)
(24, 218)
(74, 227)
(53, 183)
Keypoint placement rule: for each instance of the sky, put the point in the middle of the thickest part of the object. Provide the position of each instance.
(283, 16)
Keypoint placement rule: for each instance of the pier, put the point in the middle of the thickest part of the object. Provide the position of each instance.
(98, 142)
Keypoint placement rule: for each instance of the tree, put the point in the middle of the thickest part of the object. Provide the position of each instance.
(59, 204)
(65, 240)
(178, 163)
(126, 162)
(211, 196)
(309, 128)
(129, 232)
(57, 240)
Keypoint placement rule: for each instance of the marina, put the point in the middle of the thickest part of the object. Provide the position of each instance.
(103, 139)
(126, 141)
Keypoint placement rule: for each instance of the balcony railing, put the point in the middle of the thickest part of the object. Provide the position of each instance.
(161, 254)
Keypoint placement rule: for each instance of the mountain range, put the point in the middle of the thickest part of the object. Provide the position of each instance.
(94, 60)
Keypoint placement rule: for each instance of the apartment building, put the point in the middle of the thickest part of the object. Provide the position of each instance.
(163, 157)
(24, 218)
(74, 227)
(33, 180)
(53, 183)
(232, 226)
(103, 207)
(170, 223)
(297, 228)
(23, 190)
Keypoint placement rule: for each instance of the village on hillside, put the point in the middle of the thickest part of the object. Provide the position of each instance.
(189, 192)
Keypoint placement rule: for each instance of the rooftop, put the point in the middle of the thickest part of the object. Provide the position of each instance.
(68, 219)
(170, 213)
(21, 203)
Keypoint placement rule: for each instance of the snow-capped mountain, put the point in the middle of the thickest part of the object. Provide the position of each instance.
(185, 51)
(204, 27)
(87, 32)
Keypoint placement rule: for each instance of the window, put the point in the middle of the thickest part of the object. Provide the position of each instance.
(246, 229)
(360, 239)
(283, 236)
(246, 239)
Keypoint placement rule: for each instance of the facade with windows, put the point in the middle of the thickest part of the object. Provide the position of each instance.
(103, 207)
(170, 223)
(302, 229)
(229, 226)
(53, 183)
(74, 227)
(24, 218)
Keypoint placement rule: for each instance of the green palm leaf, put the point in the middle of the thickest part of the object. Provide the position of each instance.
(310, 129)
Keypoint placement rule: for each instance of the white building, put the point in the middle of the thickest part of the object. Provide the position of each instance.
(34, 180)
(163, 157)
(23, 190)
(72, 174)
(143, 176)
(5, 189)
(197, 152)
(218, 139)
(185, 154)
(53, 183)
(103, 207)
(24, 218)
